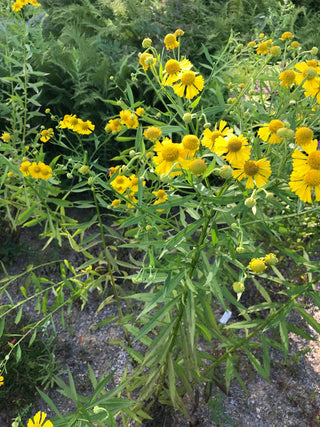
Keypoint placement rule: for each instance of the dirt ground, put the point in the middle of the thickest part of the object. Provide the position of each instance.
(290, 398)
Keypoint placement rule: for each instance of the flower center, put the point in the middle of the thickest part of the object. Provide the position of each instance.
(188, 78)
(251, 168)
(234, 145)
(170, 152)
(36, 169)
(152, 133)
(172, 66)
(215, 134)
(190, 142)
(120, 180)
(304, 135)
(170, 39)
(160, 194)
(312, 177)
(310, 73)
(289, 76)
(314, 160)
(274, 125)
(312, 63)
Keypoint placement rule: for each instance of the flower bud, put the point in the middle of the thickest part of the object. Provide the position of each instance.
(132, 153)
(251, 44)
(234, 226)
(257, 265)
(239, 47)
(250, 202)
(314, 51)
(84, 169)
(225, 172)
(198, 167)
(207, 125)
(238, 287)
(90, 180)
(149, 227)
(146, 43)
(69, 175)
(187, 118)
(271, 259)
(240, 250)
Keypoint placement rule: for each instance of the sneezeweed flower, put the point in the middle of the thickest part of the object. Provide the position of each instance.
(39, 420)
(146, 43)
(116, 203)
(69, 121)
(147, 60)
(173, 69)
(225, 171)
(252, 44)
(161, 198)
(189, 84)
(268, 131)
(129, 119)
(113, 126)
(302, 162)
(140, 111)
(84, 127)
(84, 169)
(257, 172)
(303, 136)
(308, 75)
(234, 149)
(287, 35)
(179, 32)
(264, 47)
(209, 137)
(5, 137)
(170, 41)
(46, 134)
(152, 133)
(287, 78)
(190, 143)
(314, 92)
(169, 158)
(40, 170)
(295, 44)
(197, 167)
(121, 183)
(257, 265)
(1, 381)
(24, 167)
(275, 50)
(305, 184)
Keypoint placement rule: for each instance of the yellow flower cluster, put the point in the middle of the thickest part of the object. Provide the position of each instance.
(36, 170)
(128, 186)
(5, 137)
(258, 265)
(72, 122)
(18, 4)
(46, 134)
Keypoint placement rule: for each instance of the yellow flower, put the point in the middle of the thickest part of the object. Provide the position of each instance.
(152, 133)
(34, 3)
(5, 137)
(189, 84)
(84, 127)
(295, 44)
(179, 32)
(257, 265)
(116, 203)
(47, 110)
(173, 69)
(170, 41)
(303, 136)
(275, 50)
(256, 172)
(24, 167)
(309, 72)
(84, 169)
(120, 183)
(140, 111)
(268, 131)
(46, 134)
(169, 157)
(113, 126)
(147, 60)
(1, 381)
(39, 420)
(129, 119)
(17, 6)
(263, 47)
(209, 137)
(69, 121)
(40, 170)
(234, 148)
(287, 78)
(304, 184)
(302, 162)
(287, 35)
(314, 91)
(252, 44)
(190, 143)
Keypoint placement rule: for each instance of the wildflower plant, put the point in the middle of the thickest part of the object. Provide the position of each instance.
(209, 178)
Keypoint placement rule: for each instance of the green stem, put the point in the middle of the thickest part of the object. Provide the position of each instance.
(113, 283)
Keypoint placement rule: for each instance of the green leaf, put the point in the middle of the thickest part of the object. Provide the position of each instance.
(49, 402)
(173, 242)
(309, 319)
(18, 353)
(26, 214)
(256, 364)
(33, 337)
(172, 382)
(2, 323)
(18, 316)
